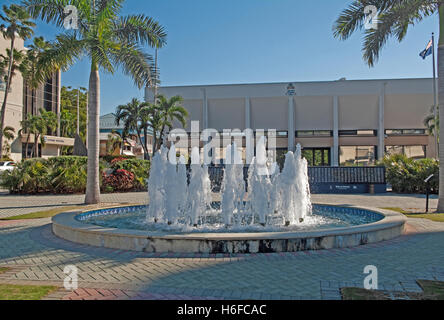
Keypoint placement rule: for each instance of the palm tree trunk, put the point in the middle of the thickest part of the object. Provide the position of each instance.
(441, 106)
(26, 145)
(5, 99)
(36, 145)
(154, 143)
(93, 179)
(146, 156)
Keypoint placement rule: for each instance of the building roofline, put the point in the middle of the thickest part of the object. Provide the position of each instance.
(293, 82)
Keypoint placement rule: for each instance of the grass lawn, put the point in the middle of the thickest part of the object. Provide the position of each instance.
(437, 217)
(16, 292)
(41, 214)
(432, 290)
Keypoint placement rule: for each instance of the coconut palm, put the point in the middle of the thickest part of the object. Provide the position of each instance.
(18, 64)
(170, 111)
(35, 72)
(394, 19)
(108, 41)
(16, 22)
(135, 118)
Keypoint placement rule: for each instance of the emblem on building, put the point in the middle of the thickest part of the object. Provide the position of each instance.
(291, 90)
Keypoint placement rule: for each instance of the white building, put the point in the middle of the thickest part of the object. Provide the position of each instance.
(336, 122)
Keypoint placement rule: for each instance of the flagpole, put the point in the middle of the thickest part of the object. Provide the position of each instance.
(435, 99)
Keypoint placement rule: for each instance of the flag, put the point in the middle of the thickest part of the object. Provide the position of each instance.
(427, 51)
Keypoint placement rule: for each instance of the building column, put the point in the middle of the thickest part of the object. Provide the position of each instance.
(291, 125)
(381, 124)
(247, 113)
(205, 109)
(335, 150)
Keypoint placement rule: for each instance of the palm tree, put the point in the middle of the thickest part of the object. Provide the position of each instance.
(40, 126)
(170, 111)
(28, 127)
(135, 118)
(394, 19)
(8, 134)
(18, 64)
(432, 123)
(35, 72)
(113, 143)
(16, 23)
(108, 40)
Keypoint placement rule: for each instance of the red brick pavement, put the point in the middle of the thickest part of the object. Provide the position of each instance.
(117, 294)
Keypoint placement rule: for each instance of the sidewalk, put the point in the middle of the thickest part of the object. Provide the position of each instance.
(13, 205)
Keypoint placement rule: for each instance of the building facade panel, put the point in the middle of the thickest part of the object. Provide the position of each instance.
(314, 113)
(269, 113)
(226, 114)
(407, 111)
(358, 112)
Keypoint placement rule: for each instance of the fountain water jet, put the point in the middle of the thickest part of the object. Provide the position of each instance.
(276, 199)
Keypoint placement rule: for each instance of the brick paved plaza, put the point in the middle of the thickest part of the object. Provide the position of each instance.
(34, 255)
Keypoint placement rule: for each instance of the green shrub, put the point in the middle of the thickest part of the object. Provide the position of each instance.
(68, 174)
(140, 169)
(58, 175)
(408, 175)
(110, 158)
(30, 176)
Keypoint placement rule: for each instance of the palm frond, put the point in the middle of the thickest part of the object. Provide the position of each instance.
(135, 63)
(140, 29)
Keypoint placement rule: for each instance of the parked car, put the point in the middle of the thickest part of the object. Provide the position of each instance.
(6, 166)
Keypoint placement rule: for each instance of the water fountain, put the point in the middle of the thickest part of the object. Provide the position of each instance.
(267, 211)
(279, 200)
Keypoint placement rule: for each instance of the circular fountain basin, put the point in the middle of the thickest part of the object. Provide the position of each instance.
(368, 226)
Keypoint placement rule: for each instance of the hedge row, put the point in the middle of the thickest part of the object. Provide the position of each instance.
(67, 175)
(408, 175)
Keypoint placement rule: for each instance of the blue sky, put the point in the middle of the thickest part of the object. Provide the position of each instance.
(248, 41)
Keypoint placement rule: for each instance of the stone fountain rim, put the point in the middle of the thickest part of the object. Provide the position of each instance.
(66, 223)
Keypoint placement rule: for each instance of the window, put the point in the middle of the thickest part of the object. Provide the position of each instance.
(357, 155)
(317, 157)
(413, 152)
(371, 133)
(314, 133)
(406, 132)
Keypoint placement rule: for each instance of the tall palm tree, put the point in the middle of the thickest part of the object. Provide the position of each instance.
(18, 64)
(35, 72)
(16, 23)
(394, 19)
(135, 118)
(170, 110)
(108, 40)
